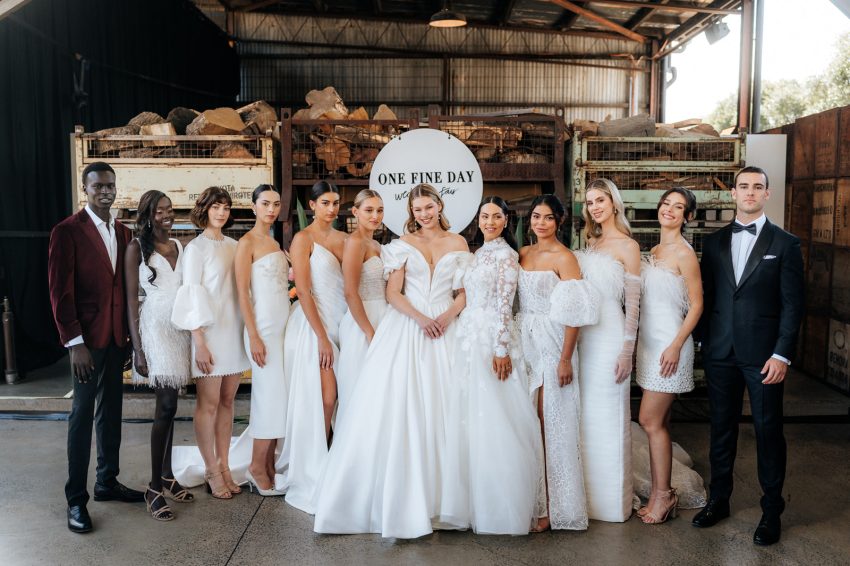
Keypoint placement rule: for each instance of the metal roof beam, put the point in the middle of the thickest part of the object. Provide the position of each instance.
(600, 19)
(679, 7)
(507, 12)
(691, 28)
(566, 20)
(256, 5)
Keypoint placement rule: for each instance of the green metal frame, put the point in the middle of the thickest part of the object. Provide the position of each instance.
(581, 170)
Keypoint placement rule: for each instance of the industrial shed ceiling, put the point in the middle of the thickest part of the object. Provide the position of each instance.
(668, 23)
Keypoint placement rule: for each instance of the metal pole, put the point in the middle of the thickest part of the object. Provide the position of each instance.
(9, 343)
(746, 66)
(759, 40)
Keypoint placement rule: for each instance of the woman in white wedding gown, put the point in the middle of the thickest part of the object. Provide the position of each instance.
(261, 283)
(365, 293)
(384, 471)
(496, 449)
(311, 347)
(611, 263)
(671, 306)
(554, 302)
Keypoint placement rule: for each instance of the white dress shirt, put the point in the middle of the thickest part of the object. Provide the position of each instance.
(110, 242)
(742, 247)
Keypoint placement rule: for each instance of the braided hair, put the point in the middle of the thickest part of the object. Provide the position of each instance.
(144, 226)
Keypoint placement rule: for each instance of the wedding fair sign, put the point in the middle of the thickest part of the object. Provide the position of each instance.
(433, 157)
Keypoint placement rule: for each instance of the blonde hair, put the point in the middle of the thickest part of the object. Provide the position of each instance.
(593, 229)
(364, 195)
(423, 190)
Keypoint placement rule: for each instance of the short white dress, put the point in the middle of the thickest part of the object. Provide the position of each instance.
(207, 299)
(663, 305)
(166, 347)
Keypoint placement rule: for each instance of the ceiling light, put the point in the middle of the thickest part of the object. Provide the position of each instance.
(716, 31)
(446, 18)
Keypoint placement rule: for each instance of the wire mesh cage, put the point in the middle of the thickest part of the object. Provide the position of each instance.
(714, 150)
(202, 148)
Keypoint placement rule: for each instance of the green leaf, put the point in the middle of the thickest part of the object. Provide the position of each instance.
(519, 231)
(302, 216)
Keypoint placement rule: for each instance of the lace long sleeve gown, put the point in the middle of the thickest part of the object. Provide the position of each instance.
(496, 451)
(547, 305)
(352, 341)
(305, 447)
(605, 411)
(663, 306)
(383, 473)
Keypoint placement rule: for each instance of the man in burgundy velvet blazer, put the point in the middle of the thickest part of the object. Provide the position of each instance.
(85, 269)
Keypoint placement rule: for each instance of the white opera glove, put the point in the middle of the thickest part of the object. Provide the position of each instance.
(631, 299)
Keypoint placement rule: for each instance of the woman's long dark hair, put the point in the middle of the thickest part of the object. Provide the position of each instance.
(555, 205)
(507, 233)
(144, 226)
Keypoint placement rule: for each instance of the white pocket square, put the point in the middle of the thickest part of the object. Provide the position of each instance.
(769, 257)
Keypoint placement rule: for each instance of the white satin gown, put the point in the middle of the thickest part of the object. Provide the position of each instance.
(352, 341)
(605, 410)
(495, 450)
(385, 467)
(547, 305)
(305, 447)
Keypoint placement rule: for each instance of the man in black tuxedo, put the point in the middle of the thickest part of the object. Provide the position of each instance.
(752, 276)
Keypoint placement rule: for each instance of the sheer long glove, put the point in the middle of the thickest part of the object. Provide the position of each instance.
(631, 297)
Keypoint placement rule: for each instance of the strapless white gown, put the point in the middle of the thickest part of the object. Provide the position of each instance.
(605, 410)
(352, 342)
(269, 391)
(385, 467)
(305, 447)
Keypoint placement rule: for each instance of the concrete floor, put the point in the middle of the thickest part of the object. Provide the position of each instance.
(251, 530)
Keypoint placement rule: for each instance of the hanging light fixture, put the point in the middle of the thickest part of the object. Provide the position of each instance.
(446, 18)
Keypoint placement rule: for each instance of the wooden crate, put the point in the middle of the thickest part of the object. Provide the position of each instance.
(838, 355)
(842, 213)
(804, 147)
(840, 304)
(815, 346)
(818, 279)
(826, 143)
(823, 210)
(844, 142)
(801, 209)
(788, 130)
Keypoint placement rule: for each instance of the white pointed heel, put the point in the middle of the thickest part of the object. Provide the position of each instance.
(252, 485)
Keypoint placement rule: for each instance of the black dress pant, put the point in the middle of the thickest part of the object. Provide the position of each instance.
(97, 402)
(726, 381)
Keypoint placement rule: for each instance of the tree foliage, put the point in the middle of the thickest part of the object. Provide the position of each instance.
(784, 101)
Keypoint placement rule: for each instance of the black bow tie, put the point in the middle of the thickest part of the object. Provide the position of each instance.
(751, 228)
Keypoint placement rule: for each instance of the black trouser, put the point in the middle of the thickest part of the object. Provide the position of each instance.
(97, 401)
(726, 381)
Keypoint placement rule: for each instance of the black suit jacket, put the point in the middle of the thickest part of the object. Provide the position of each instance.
(760, 316)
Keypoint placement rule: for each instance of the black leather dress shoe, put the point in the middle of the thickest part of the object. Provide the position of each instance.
(78, 519)
(117, 492)
(768, 531)
(715, 511)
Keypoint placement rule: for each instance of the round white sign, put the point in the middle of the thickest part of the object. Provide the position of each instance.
(433, 157)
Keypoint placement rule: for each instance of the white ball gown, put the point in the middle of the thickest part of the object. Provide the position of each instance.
(269, 391)
(207, 299)
(605, 410)
(352, 341)
(166, 347)
(305, 447)
(547, 304)
(496, 450)
(384, 470)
